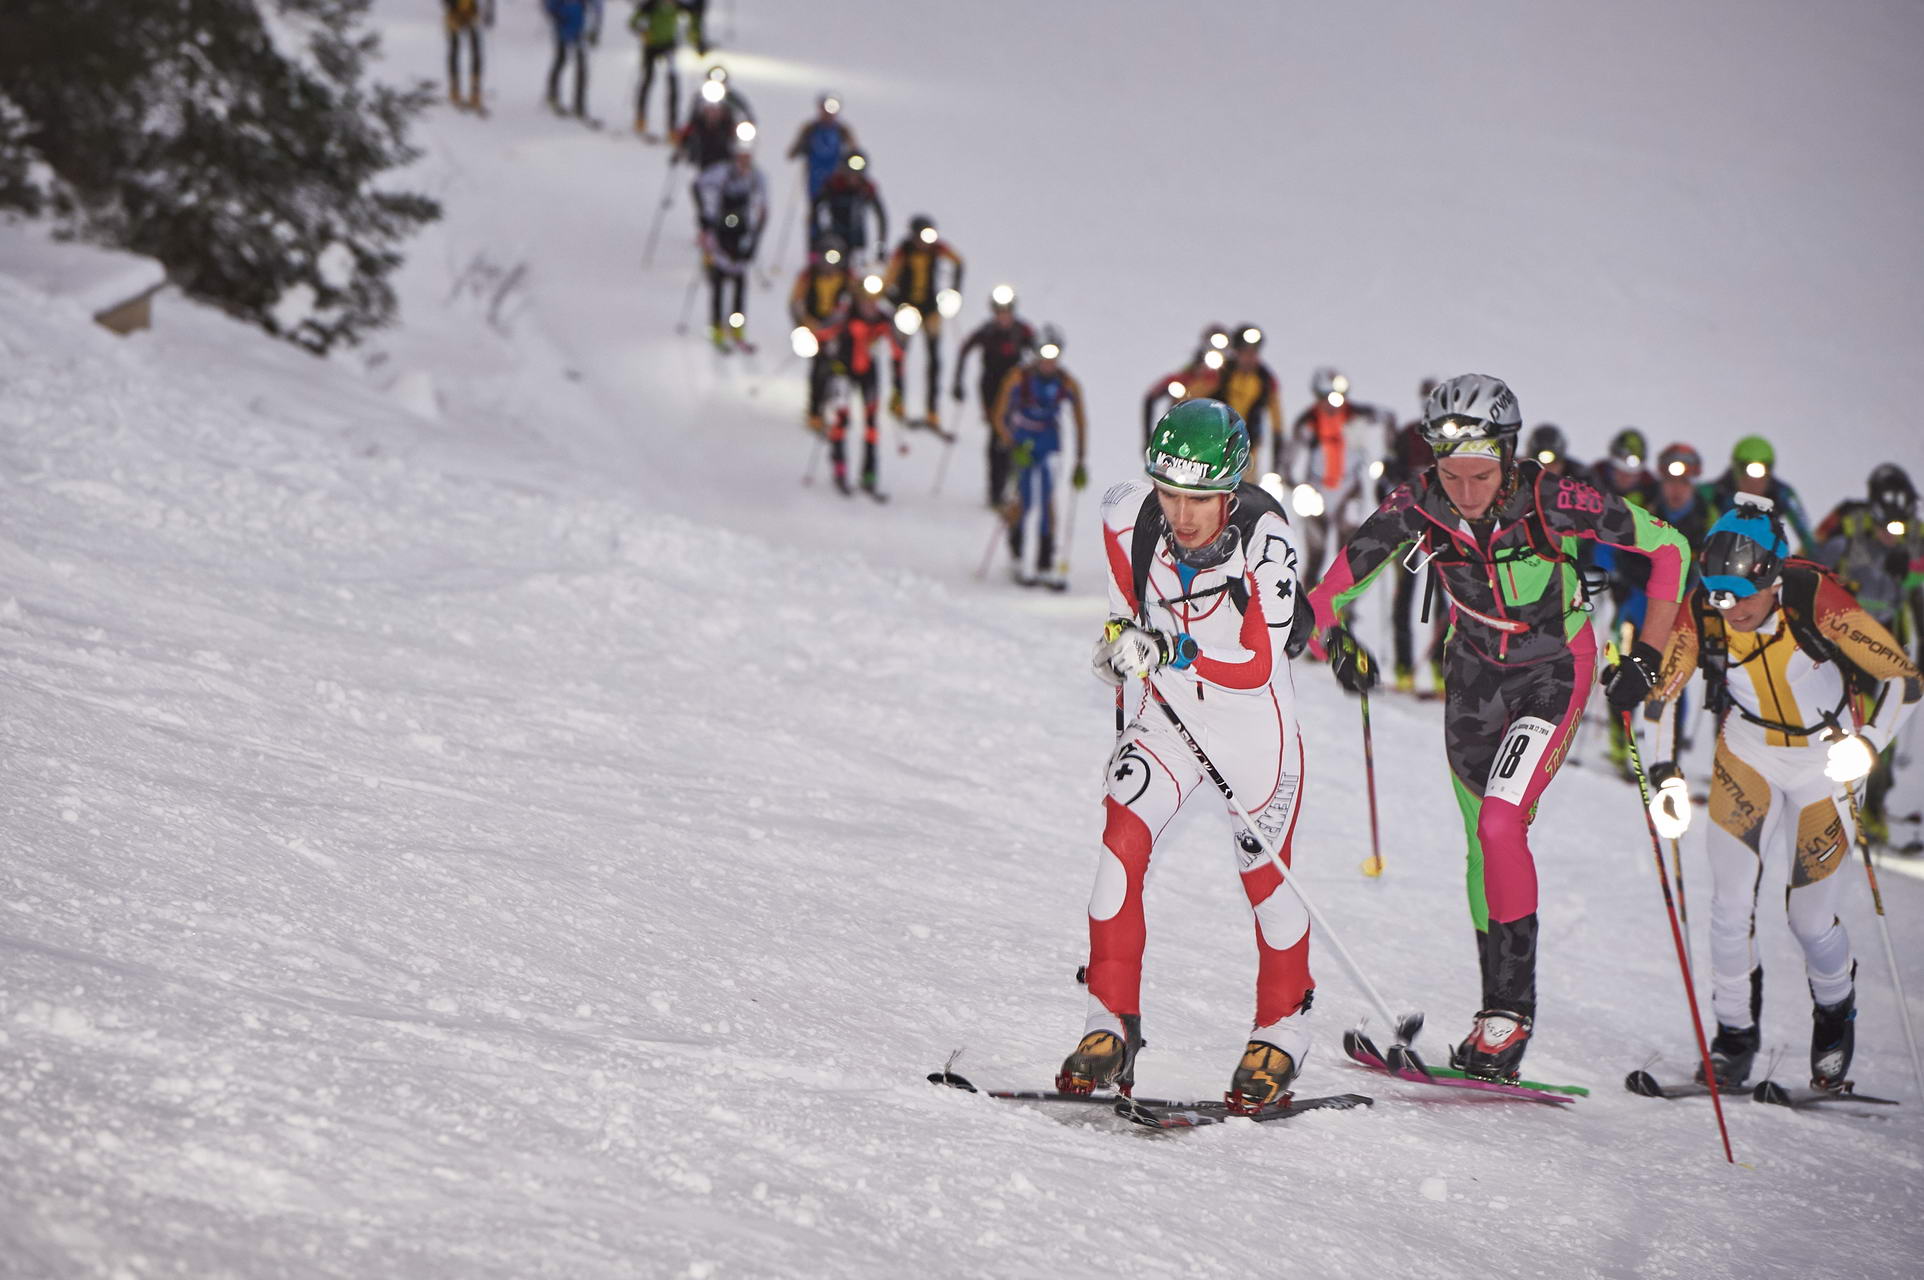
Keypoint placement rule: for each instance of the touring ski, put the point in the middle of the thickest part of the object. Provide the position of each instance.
(1358, 1047)
(1162, 1113)
(1777, 1095)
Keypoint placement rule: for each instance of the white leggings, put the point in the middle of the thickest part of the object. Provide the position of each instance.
(1758, 795)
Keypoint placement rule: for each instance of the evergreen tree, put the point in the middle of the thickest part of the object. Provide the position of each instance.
(240, 142)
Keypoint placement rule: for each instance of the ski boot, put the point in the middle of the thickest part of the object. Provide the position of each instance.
(454, 97)
(718, 337)
(934, 421)
(869, 483)
(1731, 1053)
(641, 125)
(1833, 1038)
(474, 100)
(1494, 1048)
(1262, 1078)
(1734, 1048)
(1103, 1060)
(1405, 680)
(840, 471)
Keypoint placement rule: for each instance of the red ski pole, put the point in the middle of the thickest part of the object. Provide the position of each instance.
(1676, 930)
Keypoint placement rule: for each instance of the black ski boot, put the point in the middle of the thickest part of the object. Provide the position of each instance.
(1262, 1078)
(1103, 1060)
(1735, 1048)
(1494, 1048)
(1731, 1053)
(1833, 1037)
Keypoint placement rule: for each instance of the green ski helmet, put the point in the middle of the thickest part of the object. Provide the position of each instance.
(1753, 452)
(1199, 446)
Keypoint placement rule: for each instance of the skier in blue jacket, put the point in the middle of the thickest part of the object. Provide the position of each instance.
(576, 25)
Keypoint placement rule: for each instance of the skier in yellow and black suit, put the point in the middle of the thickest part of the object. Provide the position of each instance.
(464, 19)
(1807, 689)
(1248, 386)
(824, 290)
(913, 285)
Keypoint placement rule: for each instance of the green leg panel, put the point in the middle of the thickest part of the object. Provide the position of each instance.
(1471, 803)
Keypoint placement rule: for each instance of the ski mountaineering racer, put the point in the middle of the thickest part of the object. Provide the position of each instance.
(1801, 678)
(1028, 418)
(1205, 605)
(1501, 535)
(1005, 339)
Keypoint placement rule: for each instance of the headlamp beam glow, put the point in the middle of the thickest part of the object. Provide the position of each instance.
(1895, 528)
(1756, 470)
(872, 284)
(1630, 462)
(1335, 399)
(1177, 391)
(1252, 336)
(907, 320)
(713, 91)
(1677, 468)
(804, 343)
(858, 163)
(832, 105)
(930, 235)
(736, 319)
(1546, 456)
(1002, 295)
(745, 131)
(1212, 359)
(1049, 351)
(1339, 384)
(1307, 501)
(1219, 340)
(948, 303)
(832, 257)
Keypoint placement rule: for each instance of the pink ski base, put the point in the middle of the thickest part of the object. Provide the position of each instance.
(1450, 1082)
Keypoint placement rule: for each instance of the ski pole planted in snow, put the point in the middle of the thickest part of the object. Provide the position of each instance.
(1066, 537)
(1676, 931)
(661, 213)
(688, 301)
(1884, 930)
(996, 534)
(1372, 865)
(1407, 1025)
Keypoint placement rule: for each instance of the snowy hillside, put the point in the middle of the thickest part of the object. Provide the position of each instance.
(471, 812)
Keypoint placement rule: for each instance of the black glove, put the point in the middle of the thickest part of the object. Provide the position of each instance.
(959, 394)
(1349, 661)
(1630, 681)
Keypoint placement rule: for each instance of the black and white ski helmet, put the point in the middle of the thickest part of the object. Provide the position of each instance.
(1472, 412)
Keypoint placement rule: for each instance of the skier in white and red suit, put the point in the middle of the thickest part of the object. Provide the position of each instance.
(1206, 615)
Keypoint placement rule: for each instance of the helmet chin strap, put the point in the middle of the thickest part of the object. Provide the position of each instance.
(1213, 552)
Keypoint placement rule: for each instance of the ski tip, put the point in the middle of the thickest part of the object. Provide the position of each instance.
(952, 1080)
(1408, 1027)
(1356, 1044)
(1643, 1084)
(1402, 1058)
(1771, 1092)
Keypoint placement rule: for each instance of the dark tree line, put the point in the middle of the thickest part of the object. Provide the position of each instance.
(242, 143)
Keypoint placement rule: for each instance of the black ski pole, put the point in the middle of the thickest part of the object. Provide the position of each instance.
(661, 213)
(1676, 931)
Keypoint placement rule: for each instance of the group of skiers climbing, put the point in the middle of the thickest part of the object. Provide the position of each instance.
(1211, 598)
(576, 28)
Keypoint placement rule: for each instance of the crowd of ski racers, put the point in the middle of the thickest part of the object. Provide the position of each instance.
(1251, 535)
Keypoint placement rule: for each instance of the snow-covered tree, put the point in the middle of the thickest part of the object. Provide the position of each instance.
(241, 142)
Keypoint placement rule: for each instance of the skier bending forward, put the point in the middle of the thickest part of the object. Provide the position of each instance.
(1204, 598)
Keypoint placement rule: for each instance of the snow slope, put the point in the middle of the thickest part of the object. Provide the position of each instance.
(483, 818)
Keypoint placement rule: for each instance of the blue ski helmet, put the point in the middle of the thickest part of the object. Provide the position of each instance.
(1743, 553)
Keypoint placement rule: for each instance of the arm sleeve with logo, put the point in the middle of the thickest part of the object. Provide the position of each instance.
(1875, 652)
(1572, 507)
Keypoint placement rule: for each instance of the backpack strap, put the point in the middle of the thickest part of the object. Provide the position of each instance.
(1149, 529)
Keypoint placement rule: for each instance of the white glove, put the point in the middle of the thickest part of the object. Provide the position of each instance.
(1670, 803)
(1128, 650)
(1850, 759)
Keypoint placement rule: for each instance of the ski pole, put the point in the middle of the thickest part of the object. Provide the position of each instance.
(1676, 931)
(788, 224)
(1068, 534)
(1373, 865)
(1408, 1025)
(661, 214)
(942, 465)
(814, 456)
(1884, 930)
(688, 301)
(996, 534)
